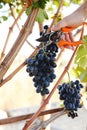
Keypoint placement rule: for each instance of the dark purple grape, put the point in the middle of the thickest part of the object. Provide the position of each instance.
(70, 93)
(42, 65)
(46, 27)
(42, 68)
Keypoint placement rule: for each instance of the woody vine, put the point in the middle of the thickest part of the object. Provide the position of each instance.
(43, 56)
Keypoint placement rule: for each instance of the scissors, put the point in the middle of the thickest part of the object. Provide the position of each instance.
(57, 37)
(51, 37)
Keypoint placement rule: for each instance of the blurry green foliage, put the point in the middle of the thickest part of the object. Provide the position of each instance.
(80, 62)
(41, 16)
(16, 4)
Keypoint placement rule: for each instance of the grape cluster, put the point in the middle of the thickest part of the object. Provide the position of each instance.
(41, 67)
(70, 93)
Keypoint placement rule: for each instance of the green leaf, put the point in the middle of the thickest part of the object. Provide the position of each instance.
(36, 5)
(66, 3)
(83, 61)
(82, 51)
(28, 10)
(4, 18)
(80, 73)
(40, 4)
(83, 76)
(81, 55)
(45, 14)
(76, 1)
(76, 71)
(8, 1)
(84, 39)
(1, 6)
(41, 16)
(80, 69)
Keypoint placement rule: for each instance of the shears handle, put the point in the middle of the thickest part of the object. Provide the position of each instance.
(68, 29)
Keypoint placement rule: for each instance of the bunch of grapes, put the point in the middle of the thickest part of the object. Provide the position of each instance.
(41, 67)
(70, 93)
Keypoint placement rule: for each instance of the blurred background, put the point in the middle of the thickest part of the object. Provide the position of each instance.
(19, 94)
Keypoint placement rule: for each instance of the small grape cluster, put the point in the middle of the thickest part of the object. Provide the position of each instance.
(70, 93)
(41, 66)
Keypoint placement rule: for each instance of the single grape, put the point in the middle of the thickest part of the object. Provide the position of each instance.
(46, 27)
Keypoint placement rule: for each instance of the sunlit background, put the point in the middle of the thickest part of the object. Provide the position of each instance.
(19, 92)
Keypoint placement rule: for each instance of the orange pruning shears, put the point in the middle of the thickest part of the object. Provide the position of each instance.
(57, 37)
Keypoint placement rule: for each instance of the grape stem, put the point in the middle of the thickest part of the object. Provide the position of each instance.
(68, 76)
(44, 124)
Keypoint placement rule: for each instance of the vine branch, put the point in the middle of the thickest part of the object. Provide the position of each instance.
(55, 16)
(10, 31)
(15, 71)
(27, 116)
(25, 31)
(19, 27)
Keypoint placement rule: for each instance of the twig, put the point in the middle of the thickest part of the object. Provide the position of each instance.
(10, 31)
(19, 29)
(42, 118)
(30, 44)
(61, 2)
(53, 117)
(43, 125)
(27, 116)
(40, 27)
(59, 55)
(24, 33)
(15, 71)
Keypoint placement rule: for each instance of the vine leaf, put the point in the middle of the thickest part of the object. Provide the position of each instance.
(8, 1)
(41, 16)
(1, 6)
(83, 76)
(80, 68)
(4, 18)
